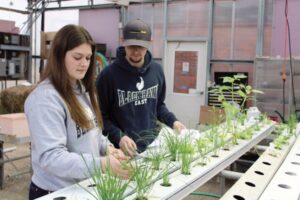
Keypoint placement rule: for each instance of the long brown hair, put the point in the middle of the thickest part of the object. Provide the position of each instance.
(68, 38)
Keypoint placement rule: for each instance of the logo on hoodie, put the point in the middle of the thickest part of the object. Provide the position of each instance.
(138, 97)
(140, 85)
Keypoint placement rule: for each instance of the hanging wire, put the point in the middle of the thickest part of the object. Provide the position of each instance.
(287, 41)
(293, 110)
(284, 64)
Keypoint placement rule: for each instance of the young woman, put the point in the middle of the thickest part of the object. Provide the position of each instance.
(64, 118)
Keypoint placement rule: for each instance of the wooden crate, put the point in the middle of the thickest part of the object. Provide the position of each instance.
(210, 115)
(46, 39)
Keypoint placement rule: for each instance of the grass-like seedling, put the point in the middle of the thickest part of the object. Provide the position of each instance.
(224, 141)
(202, 146)
(143, 176)
(216, 144)
(186, 151)
(107, 186)
(165, 175)
(172, 142)
(155, 156)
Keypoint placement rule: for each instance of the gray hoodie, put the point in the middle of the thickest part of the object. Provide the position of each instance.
(61, 151)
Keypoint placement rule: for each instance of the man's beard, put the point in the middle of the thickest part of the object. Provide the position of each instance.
(134, 61)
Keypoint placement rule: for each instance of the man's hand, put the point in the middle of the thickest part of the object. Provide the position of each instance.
(178, 126)
(128, 146)
(115, 165)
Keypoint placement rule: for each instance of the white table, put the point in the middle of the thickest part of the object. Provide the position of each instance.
(182, 185)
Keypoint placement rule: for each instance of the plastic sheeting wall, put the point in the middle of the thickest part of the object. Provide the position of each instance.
(278, 36)
(103, 24)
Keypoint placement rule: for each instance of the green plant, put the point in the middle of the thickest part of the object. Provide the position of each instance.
(186, 152)
(107, 186)
(143, 176)
(265, 119)
(280, 141)
(232, 110)
(155, 156)
(216, 144)
(202, 146)
(224, 141)
(292, 123)
(165, 179)
(165, 175)
(172, 142)
(256, 127)
(245, 134)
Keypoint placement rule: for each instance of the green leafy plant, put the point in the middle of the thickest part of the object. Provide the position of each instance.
(265, 119)
(232, 110)
(280, 141)
(292, 123)
(245, 134)
(256, 127)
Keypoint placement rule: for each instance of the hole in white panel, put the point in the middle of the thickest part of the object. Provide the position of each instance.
(238, 197)
(266, 163)
(59, 198)
(92, 185)
(259, 172)
(284, 186)
(250, 184)
(295, 163)
(291, 173)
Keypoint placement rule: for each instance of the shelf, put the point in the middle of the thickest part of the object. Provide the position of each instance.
(14, 48)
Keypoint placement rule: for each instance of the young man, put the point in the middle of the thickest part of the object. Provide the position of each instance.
(132, 91)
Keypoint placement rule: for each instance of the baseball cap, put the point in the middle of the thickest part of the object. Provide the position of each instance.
(138, 33)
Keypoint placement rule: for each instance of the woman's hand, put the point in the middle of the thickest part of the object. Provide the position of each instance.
(117, 153)
(115, 165)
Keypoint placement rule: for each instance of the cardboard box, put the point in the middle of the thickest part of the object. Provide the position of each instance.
(211, 115)
(46, 39)
(14, 124)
